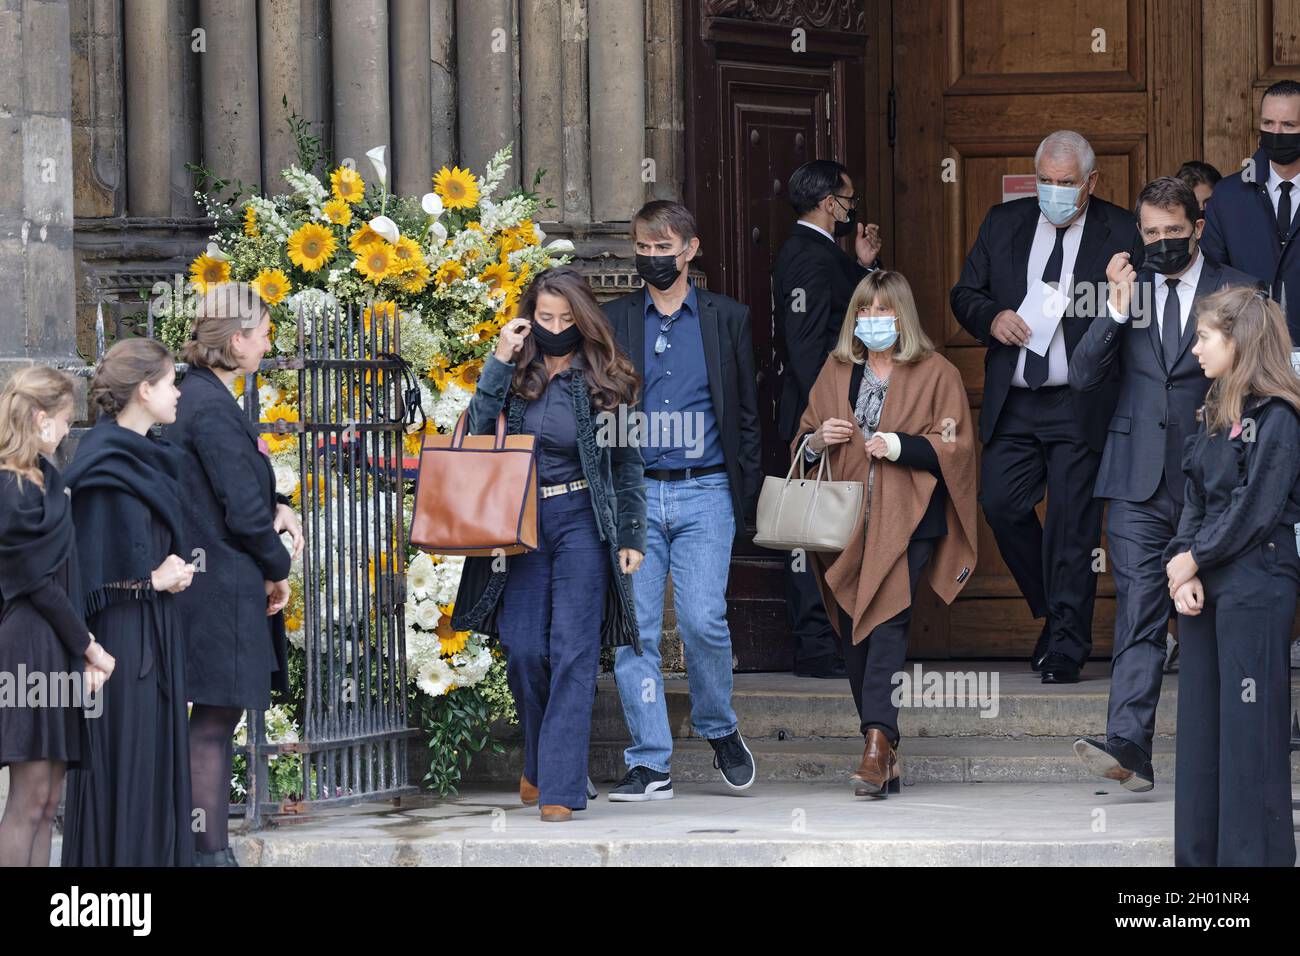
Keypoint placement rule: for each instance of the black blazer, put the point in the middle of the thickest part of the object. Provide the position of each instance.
(1241, 231)
(994, 279)
(1156, 410)
(729, 358)
(236, 654)
(812, 272)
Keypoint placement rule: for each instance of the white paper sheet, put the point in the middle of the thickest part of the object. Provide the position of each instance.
(1042, 309)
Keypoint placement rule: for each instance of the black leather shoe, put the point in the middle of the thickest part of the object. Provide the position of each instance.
(829, 666)
(1059, 669)
(1040, 651)
(1117, 759)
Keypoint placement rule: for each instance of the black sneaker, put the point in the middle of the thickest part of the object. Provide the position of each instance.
(642, 783)
(732, 757)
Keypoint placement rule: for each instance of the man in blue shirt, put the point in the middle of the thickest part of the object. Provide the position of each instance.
(699, 438)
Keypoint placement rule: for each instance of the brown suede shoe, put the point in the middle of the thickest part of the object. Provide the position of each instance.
(878, 775)
(527, 792)
(555, 814)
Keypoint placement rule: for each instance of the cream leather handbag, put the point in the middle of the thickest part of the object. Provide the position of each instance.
(810, 514)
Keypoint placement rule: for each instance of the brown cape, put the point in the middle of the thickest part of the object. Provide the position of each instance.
(869, 578)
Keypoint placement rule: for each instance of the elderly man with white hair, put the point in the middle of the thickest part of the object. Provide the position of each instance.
(1038, 435)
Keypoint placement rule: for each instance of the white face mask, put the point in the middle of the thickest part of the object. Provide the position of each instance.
(1059, 203)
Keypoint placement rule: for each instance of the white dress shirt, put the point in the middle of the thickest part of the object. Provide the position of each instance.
(1058, 365)
(1187, 284)
(1275, 190)
(813, 225)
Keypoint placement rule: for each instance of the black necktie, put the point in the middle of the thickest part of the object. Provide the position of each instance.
(1284, 211)
(1035, 364)
(1170, 333)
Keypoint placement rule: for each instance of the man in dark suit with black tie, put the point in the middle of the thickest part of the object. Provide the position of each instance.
(1251, 222)
(1148, 340)
(812, 282)
(1037, 434)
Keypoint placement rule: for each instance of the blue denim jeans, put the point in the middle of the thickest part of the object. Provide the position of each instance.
(550, 621)
(690, 526)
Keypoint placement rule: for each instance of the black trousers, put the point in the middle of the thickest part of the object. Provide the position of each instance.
(1232, 785)
(1136, 537)
(873, 663)
(806, 618)
(1039, 446)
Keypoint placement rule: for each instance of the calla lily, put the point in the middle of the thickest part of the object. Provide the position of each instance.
(385, 227)
(432, 204)
(215, 253)
(439, 232)
(560, 245)
(376, 157)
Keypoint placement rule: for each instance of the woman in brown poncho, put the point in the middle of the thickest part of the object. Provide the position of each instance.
(894, 416)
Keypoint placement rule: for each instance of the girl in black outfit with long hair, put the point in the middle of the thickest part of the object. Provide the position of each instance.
(132, 807)
(41, 631)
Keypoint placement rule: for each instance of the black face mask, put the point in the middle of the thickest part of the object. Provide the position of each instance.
(849, 226)
(556, 343)
(1168, 256)
(1282, 148)
(660, 271)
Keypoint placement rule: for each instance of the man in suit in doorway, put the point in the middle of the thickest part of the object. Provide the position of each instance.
(1147, 340)
(1037, 434)
(812, 282)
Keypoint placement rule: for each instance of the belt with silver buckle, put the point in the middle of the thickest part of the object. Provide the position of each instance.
(550, 491)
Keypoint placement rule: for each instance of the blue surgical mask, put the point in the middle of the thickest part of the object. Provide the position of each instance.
(877, 332)
(1058, 203)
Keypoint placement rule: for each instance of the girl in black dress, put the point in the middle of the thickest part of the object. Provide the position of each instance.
(132, 807)
(41, 631)
(1233, 573)
(233, 615)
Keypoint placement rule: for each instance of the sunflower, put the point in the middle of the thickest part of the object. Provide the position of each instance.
(415, 280)
(375, 262)
(386, 310)
(365, 236)
(509, 242)
(296, 497)
(483, 331)
(457, 188)
(206, 271)
(272, 285)
(311, 246)
(250, 222)
(348, 185)
(449, 272)
(497, 276)
(452, 641)
(438, 372)
(406, 254)
(466, 374)
(338, 212)
(275, 413)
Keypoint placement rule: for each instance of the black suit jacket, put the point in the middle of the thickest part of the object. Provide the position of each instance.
(228, 500)
(812, 282)
(729, 359)
(994, 278)
(1157, 407)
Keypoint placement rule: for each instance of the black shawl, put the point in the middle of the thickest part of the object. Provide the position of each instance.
(36, 531)
(117, 478)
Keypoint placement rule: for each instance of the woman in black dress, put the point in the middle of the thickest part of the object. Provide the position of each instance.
(41, 632)
(1233, 573)
(234, 625)
(131, 807)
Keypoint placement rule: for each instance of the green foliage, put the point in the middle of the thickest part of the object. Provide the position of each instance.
(458, 726)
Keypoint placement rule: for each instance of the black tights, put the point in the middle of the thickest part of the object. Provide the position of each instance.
(211, 758)
(28, 824)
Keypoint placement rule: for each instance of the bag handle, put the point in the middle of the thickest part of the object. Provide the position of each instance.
(458, 435)
(823, 464)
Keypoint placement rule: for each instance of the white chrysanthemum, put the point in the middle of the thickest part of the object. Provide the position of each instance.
(420, 575)
(268, 395)
(435, 677)
(427, 615)
(286, 479)
(421, 647)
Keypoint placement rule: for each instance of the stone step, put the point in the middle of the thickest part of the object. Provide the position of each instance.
(819, 760)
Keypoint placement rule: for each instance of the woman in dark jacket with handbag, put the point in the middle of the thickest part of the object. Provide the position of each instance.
(235, 640)
(554, 371)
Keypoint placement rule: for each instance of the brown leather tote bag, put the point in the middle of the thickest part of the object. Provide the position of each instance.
(476, 495)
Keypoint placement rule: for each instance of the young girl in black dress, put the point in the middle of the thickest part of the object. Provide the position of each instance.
(41, 631)
(132, 807)
(1233, 573)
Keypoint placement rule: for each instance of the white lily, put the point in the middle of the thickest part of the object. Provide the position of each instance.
(376, 157)
(432, 204)
(385, 227)
(215, 253)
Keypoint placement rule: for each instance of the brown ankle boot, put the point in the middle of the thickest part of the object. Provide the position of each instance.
(556, 814)
(878, 773)
(527, 792)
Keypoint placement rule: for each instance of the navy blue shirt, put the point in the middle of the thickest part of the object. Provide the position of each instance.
(550, 417)
(677, 381)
